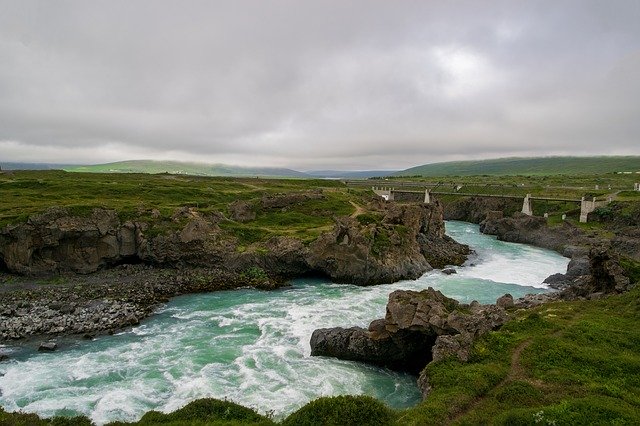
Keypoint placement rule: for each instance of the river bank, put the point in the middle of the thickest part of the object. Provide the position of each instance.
(253, 346)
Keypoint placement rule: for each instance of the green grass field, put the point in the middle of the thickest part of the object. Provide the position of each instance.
(134, 196)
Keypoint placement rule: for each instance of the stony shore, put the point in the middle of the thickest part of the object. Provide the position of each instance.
(88, 305)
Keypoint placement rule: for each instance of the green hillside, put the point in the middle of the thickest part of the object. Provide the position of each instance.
(528, 166)
(183, 168)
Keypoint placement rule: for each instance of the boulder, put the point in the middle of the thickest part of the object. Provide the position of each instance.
(241, 211)
(49, 346)
(505, 301)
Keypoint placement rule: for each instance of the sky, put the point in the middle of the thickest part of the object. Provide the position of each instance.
(366, 84)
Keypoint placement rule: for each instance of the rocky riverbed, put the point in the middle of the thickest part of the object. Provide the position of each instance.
(104, 301)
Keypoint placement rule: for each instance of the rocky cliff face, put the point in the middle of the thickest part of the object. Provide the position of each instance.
(407, 241)
(419, 327)
(475, 209)
(533, 230)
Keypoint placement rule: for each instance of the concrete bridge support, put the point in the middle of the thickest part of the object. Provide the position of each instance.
(527, 207)
(427, 197)
(386, 193)
(636, 186)
(587, 206)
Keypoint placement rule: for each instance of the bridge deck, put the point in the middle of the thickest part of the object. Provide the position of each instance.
(468, 194)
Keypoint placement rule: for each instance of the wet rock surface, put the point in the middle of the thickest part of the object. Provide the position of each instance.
(418, 327)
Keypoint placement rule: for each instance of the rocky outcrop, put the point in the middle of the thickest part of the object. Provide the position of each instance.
(281, 201)
(476, 209)
(418, 327)
(606, 276)
(241, 211)
(533, 230)
(408, 241)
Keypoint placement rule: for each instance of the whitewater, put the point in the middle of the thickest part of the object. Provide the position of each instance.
(250, 346)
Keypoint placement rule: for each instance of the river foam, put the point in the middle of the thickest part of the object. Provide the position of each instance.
(251, 346)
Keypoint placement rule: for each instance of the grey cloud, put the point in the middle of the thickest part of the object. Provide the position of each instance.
(351, 84)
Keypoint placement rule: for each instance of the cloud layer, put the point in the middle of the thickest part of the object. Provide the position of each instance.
(331, 84)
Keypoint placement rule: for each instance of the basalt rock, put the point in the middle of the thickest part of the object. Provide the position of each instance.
(477, 209)
(408, 242)
(606, 276)
(418, 327)
(241, 211)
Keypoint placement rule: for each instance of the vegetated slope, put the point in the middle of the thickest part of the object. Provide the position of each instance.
(33, 166)
(184, 168)
(351, 174)
(528, 166)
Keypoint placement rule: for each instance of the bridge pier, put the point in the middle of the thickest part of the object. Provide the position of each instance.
(527, 207)
(427, 197)
(636, 186)
(587, 206)
(386, 193)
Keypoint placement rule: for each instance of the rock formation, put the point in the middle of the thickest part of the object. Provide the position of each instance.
(409, 241)
(418, 327)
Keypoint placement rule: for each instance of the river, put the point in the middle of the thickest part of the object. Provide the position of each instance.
(250, 346)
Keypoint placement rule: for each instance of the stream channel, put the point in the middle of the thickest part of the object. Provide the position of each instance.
(252, 347)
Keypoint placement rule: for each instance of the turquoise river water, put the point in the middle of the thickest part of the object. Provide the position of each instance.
(250, 346)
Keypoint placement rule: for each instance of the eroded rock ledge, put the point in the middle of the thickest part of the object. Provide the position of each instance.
(402, 242)
(196, 254)
(418, 327)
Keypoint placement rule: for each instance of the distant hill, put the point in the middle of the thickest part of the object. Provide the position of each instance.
(176, 167)
(528, 166)
(350, 174)
(32, 166)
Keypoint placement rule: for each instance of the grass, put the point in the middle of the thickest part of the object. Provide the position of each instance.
(154, 199)
(576, 363)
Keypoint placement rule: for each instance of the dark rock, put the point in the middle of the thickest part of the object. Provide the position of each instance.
(532, 230)
(4, 357)
(579, 265)
(48, 346)
(385, 253)
(280, 201)
(505, 301)
(241, 211)
(449, 271)
(411, 331)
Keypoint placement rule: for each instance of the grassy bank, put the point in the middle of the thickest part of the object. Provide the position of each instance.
(563, 363)
(136, 196)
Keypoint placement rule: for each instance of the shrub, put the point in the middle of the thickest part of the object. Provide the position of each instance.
(342, 410)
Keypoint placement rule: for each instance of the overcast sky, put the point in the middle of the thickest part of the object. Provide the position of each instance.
(317, 84)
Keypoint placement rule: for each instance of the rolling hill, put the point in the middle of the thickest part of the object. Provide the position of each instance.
(176, 167)
(528, 166)
(350, 174)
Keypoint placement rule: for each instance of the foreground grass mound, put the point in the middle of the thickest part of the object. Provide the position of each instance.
(344, 410)
(207, 411)
(562, 363)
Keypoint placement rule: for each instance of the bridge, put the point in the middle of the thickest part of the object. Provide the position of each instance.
(586, 206)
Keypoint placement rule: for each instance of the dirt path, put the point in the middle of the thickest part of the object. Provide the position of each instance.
(515, 372)
(359, 209)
